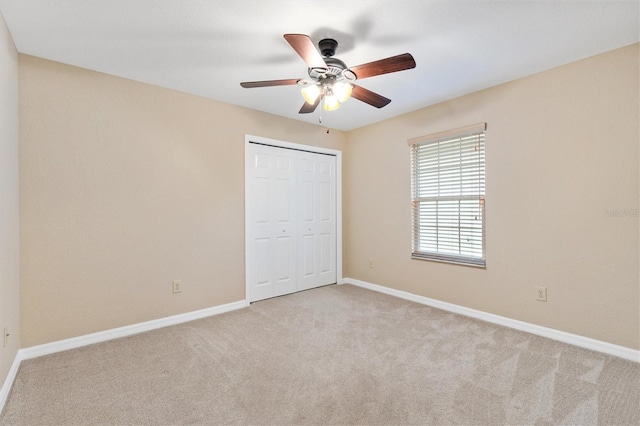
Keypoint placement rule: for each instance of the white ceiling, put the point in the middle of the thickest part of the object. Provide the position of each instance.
(208, 47)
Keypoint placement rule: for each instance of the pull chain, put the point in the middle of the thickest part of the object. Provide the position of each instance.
(322, 113)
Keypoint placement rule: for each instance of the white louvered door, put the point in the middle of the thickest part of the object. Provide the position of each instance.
(291, 220)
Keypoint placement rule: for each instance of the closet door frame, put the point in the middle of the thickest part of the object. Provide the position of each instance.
(338, 192)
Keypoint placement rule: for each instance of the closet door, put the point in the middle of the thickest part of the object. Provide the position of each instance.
(272, 221)
(291, 221)
(316, 220)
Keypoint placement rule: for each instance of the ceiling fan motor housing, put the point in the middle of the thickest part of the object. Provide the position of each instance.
(328, 47)
(335, 69)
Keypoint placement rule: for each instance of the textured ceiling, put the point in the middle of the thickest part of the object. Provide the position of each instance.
(208, 47)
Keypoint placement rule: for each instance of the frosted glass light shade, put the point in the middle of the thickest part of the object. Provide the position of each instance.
(331, 103)
(310, 93)
(342, 90)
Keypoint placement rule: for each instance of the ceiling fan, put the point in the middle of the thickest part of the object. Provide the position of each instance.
(331, 80)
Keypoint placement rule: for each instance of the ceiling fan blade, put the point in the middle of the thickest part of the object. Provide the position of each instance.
(303, 45)
(251, 84)
(308, 108)
(385, 66)
(369, 97)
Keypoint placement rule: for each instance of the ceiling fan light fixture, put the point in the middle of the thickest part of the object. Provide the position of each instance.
(310, 93)
(331, 103)
(326, 71)
(342, 90)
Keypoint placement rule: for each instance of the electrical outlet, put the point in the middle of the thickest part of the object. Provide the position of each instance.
(5, 338)
(176, 287)
(370, 263)
(541, 294)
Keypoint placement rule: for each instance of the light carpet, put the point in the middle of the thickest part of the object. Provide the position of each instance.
(332, 355)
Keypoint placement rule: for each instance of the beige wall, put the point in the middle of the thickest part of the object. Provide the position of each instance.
(562, 149)
(9, 200)
(124, 188)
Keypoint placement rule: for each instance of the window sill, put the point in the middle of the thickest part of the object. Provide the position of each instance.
(461, 262)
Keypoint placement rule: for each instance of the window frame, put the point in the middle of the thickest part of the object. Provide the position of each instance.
(464, 195)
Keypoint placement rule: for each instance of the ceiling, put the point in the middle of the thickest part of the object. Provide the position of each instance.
(207, 48)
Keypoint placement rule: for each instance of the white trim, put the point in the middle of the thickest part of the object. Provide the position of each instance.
(310, 148)
(562, 336)
(6, 387)
(339, 277)
(114, 333)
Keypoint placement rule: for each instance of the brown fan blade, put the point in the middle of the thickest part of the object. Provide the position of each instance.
(303, 45)
(251, 84)
(369, 97)
(385, 66)
(308, 108)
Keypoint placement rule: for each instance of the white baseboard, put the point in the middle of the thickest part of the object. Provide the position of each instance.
(103, 336)
(562, 336)
(114, 333)
(6, 387)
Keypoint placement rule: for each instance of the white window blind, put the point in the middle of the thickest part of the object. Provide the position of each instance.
(448, 190)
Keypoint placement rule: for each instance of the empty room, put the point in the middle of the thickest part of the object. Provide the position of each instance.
(319, 212)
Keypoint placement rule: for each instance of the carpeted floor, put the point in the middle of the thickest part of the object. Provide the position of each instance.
(333, 355)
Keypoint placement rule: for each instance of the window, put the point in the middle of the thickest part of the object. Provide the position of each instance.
(448, 189)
